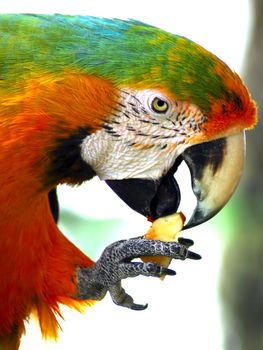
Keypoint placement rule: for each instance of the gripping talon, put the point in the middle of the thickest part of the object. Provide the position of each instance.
(193, 256)
(185, 241)
(139, 307)
(167, 272)
(115, 264)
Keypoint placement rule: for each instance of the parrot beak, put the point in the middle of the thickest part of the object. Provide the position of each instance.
(216, 168)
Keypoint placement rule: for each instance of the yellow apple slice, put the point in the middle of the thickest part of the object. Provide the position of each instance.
(165, 229)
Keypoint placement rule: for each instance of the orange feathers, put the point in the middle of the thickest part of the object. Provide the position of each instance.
(39, 261)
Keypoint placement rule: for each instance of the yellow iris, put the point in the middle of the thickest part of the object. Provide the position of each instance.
(159, 105)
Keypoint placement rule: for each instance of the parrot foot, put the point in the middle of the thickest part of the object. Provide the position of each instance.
(116, 264)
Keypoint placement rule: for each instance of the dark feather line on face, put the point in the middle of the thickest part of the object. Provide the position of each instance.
(107, 127)
(145, 121)
(135, 110)
(144, 110)
(171, 120)
(130, 143)
(139, 133)
(121, 104)
(112, 132)
(166, 128)
(163, 147)
(115, 115)
(135, 98)
(166, 137)
(116, 110)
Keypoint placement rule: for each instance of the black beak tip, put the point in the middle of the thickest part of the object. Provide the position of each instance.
(196, 219)
(200, 216)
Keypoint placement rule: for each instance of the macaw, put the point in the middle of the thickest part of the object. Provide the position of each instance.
(121, 100)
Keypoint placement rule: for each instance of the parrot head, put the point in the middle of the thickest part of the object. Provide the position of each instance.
(176, 102)
(129, 102)
(138, 152)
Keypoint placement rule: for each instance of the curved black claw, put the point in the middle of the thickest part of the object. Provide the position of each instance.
(186, 242)
(139, 307)
(116, 264)
(193, 256)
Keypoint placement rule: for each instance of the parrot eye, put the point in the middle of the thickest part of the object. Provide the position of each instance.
(159, 105)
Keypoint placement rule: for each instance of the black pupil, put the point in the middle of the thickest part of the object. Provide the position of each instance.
(160, 103)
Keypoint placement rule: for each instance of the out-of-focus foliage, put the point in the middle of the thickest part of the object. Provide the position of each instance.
(242, 271)
(99, 231)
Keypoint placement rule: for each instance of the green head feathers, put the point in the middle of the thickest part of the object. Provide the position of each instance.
(124, 52)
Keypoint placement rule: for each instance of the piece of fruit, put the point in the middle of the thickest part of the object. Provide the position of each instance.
(166, 229)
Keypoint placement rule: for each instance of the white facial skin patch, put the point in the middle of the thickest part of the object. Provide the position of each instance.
(145, 135)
